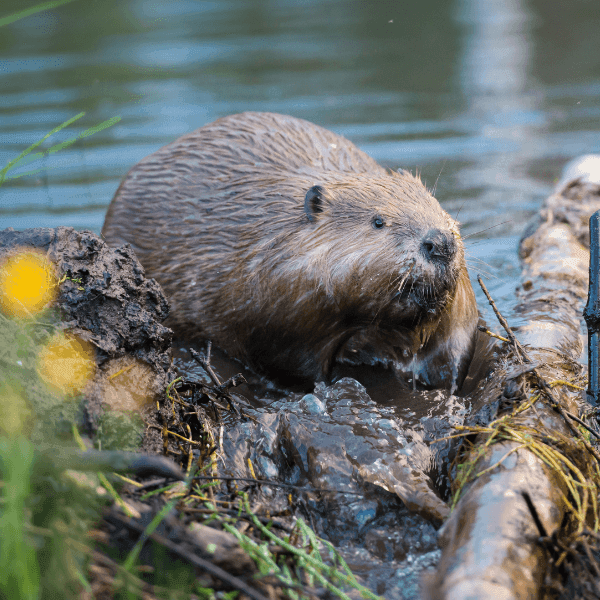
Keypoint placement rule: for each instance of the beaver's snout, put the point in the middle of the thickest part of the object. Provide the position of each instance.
(438, 245)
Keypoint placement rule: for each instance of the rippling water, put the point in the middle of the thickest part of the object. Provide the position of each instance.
(487, 99)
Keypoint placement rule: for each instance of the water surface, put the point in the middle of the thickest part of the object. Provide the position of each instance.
(487, 99)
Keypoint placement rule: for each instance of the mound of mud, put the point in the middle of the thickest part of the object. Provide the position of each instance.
(105, 299)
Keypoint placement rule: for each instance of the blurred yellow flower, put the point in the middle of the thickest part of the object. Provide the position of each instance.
(130, 385)
(27, 284)
(66, 363)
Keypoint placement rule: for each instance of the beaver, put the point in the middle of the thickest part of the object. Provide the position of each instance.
(292, 249)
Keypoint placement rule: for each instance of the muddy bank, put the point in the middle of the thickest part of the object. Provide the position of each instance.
(103, 298)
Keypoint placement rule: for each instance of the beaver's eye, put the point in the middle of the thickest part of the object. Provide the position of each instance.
(378, 222)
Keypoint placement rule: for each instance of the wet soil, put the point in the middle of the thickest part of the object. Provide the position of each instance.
(364, 460)
(371, 447)
(370, 441)
(105, 299)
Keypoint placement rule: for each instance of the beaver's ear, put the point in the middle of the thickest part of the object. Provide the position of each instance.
(315, 200)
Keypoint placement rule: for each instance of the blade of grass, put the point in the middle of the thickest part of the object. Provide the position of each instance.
(135, 551)
(32, 11)
(28, 172)
(311, 562)
(35, 145)
(19, 572)
(60, 146)
(83, 134)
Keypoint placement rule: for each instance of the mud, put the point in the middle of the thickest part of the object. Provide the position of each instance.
(106, 300)
(384, 472)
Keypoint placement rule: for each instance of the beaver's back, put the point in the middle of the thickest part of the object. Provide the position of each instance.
(237, 150)
(198, 207)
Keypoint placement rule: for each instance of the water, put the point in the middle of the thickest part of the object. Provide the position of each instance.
(487, 99)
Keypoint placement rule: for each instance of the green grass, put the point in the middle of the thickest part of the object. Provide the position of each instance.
(26, 157)
(308, 563)
(19, 572)
(22, 14)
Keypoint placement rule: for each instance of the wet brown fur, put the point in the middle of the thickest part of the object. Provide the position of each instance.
(218, 218)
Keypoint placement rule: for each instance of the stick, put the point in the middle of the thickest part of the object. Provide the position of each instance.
(279, 484)
(190, 557)
(511, 336)
(520, 351)
(204, 361)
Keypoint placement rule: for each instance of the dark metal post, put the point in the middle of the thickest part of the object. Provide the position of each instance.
(591, 313)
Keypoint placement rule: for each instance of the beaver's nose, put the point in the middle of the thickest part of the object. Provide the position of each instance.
(439, 245)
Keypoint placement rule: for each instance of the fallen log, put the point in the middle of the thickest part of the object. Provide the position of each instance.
(526, 464)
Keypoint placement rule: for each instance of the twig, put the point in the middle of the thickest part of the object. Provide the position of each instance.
(151, 483)
(593, 562)
(491, 333)
(230, 580)
(521, 355)
(557, 406)
(278, 484)
(204, 362)
(234, 381)
(534, 514)
(220, 389)
(578, 420)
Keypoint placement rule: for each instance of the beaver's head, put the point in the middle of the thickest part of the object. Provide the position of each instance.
(350, 258)
(381, 249)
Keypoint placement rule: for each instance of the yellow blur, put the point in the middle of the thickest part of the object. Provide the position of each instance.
(27, 284)
(66, 363)
(129, 385)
